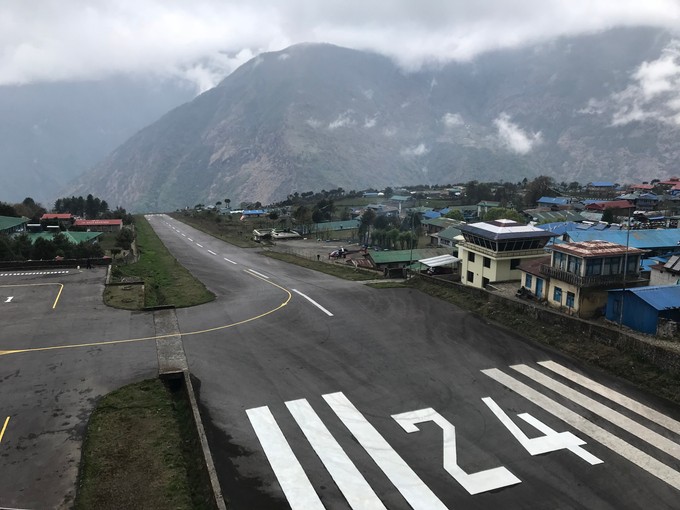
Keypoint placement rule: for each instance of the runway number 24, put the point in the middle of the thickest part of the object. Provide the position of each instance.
(495, 478)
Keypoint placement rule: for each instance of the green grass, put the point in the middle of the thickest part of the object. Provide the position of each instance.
(338, 270)
(166, 281)
(141, 451)
(226, 228)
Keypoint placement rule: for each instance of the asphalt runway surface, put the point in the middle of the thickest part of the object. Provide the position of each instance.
(322, 393)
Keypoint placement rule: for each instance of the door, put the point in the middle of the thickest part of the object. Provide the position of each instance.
(539, 288)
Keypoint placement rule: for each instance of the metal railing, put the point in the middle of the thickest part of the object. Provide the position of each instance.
(590, 280)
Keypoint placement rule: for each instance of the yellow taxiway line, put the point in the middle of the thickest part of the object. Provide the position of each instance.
(4, 427)
(157, 337)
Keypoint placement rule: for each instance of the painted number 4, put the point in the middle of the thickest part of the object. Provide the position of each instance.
(495, 478)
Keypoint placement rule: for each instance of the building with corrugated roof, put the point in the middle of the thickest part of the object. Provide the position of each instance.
(579, 275)
(643, 308)
(11, 224)
(493, 250)
(110, 225)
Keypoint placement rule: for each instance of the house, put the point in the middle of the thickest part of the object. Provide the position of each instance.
(397, 259)
(553, 203)
(447, 238)
(617, 207)
(643, 308)
(437, 224)
(493, 250)
(336, 229)
(111, 225)
(667, 273)
(11, 224)
(61, 220)
(601, 188)
(579, 275)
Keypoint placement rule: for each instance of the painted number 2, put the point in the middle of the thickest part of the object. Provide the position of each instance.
(495, 478)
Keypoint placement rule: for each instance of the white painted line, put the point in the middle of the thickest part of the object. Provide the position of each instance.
(313, 302)
(347, 477)
(407, 482)
(614, 443)
(190, 239)
(199, 245)
(292, 478)
(184, 235)
(212, 252)
(614, 396)
(655, 439)
(9, 299)
(230, 261)
(258, 274)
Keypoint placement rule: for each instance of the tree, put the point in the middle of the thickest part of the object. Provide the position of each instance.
(608, 216)
(455, 214)
(7, 210)
(367, 219)
(125, 238)
(541, 186)
(498, 213)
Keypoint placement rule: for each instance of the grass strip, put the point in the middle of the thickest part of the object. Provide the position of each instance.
(339, 270)
(166, 281)
(141, 451)
(225, 228)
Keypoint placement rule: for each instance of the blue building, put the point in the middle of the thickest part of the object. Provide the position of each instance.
(644, 306)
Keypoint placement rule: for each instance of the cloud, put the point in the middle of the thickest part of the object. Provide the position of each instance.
(652, 96)
(204, 40)
(343, 120)
(314, 123)
(418, 150)
(452, 120)
(515, 138)
(370, 122)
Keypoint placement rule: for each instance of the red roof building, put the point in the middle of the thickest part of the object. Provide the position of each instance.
(100, 225)
(52, 216)
(610, 204)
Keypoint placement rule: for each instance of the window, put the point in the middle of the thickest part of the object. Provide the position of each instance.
(570, 299)
(593, 267)
(471, 256)
(528, 281)
(559, 260)
(470, 276)
(487, 262)
(485, 282)
(557, 295)
(514, 263)
(611, 265)
(574, 265)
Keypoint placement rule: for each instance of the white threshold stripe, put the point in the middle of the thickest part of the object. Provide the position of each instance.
(407, 482)
(345, 474)
(614, 443)
(614, 396)
(199, 245)
(631, 426)
(292, 478)
(313, 302)
(258, 274)
(212, 252)
(230, 261)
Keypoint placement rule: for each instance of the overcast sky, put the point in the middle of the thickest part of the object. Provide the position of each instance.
(204, 40)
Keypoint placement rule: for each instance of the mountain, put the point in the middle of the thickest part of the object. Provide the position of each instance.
(52, 132)
(317, 116)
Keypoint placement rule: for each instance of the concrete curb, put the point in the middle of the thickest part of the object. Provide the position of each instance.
(172, 364)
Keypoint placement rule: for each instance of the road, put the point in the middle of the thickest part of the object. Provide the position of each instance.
(322, 393)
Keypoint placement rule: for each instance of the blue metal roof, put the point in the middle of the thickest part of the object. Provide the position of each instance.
(602, 184)
(553, 200)
(559, 227)
(660, 238)
(659, 297)
(431, 214)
